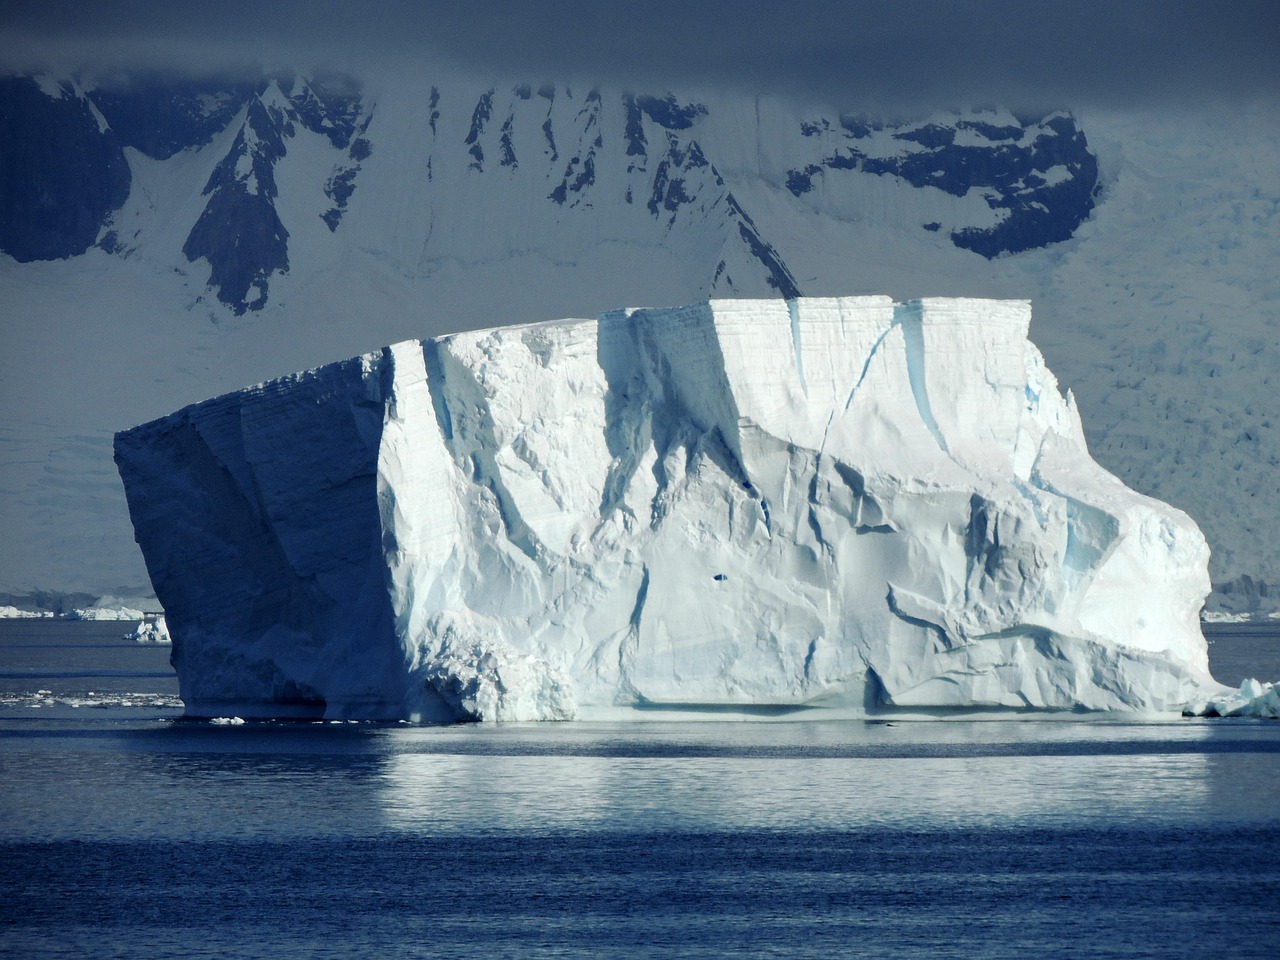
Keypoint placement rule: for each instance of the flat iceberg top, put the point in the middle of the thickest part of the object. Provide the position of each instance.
(847, 504)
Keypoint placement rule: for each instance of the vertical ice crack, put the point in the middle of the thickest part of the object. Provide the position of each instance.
(436, 388)
(911, 318)
(808, 658)
(641, 595)
(866, 367)
(862, 375)
(630, 644)
(793, 308)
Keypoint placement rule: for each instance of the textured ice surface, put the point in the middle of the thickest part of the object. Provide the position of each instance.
(744, 505)
(106, 613)
(150, 631)
(1252, 699)
(14, 613)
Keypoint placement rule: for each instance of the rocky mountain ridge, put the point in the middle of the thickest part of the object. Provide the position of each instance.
(184, 238)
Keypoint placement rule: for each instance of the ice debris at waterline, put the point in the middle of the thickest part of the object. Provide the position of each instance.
(744, 506)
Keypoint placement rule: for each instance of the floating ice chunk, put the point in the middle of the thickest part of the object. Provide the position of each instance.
(1253, 699)
(8, 612)
(1221, 616)
(105, 613)
(150, 631)
(847, 504)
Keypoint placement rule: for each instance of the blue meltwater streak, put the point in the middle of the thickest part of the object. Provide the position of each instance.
(911, 319)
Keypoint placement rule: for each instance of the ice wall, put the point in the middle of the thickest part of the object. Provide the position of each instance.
(762, 506)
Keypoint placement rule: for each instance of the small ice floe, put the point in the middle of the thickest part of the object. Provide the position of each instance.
(227, 721)
(1221, 616)
(104, 613)
(1253, 699)
(151, 630)
(102, 701)
(14, 613)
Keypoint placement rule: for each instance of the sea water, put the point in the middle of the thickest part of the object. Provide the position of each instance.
(125, 831)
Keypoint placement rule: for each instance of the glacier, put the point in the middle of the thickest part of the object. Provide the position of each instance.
(742, 507)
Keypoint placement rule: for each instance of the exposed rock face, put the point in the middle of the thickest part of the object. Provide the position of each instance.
(764, 505)
(502, 168)
(1038, 176)
(62, 170)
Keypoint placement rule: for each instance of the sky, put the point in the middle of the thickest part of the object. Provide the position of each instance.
(1142, 53)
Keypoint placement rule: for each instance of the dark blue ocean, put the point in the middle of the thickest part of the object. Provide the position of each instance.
(125, 832)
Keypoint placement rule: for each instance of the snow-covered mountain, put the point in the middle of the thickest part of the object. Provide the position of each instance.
(563, 172)
(167, 240)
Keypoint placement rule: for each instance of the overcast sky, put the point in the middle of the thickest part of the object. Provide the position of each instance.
(1139, 53)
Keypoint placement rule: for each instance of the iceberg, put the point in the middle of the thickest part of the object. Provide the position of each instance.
(150, 630)
(1252, 699)
(742, 507)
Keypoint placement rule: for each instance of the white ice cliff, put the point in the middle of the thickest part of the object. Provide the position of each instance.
(740, 506)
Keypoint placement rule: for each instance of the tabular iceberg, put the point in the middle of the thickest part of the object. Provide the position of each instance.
(744, 505)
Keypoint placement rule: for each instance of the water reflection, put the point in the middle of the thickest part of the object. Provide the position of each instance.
(696, 779)
(197, 781)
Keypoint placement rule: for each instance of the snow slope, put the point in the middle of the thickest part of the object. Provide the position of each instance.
(847, 504)
(1160, 307)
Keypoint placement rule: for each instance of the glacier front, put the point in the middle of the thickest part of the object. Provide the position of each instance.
(753, 507)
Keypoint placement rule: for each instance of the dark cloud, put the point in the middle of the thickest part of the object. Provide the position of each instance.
(1109, 51)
